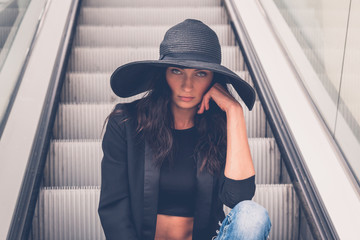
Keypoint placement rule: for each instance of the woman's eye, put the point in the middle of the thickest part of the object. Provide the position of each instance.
(201, 74)
(175, 71)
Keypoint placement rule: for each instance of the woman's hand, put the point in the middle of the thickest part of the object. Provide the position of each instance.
(221, 97)
(239, 163)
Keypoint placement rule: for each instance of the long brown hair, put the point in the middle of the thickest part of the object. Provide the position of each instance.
(155, 121)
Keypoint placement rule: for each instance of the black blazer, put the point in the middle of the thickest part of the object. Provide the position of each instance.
(130, 184)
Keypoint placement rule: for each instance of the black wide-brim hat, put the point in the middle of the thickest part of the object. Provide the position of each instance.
(189, 44)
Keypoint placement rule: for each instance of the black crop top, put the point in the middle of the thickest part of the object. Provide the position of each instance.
(177, 188)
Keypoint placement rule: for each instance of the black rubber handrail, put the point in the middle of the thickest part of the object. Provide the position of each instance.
(316, 214)
(22, 218)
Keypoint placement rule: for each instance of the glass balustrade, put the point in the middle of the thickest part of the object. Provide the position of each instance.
(328, 34)
(19, 21)
(347, 128)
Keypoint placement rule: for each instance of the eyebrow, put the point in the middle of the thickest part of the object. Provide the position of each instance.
(191, 68)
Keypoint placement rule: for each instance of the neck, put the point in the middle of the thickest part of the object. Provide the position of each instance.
(183, 118)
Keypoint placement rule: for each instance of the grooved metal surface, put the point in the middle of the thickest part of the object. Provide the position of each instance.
(86, 121)
(73, 163)
(283, 208)
(87, 88)
(71, 213)
(68, 213)
(77, 162)
(136, 36)
(266, 158)
(147, 3)
(150, 16)
(255, 121)
(81, 121)
(95, 88)
(85, 59)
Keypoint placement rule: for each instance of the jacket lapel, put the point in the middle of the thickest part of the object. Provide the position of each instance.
(203, 198)
(151, 190)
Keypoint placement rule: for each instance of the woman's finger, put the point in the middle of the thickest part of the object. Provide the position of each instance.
(221, 97)
(206, 100)
(201, 107)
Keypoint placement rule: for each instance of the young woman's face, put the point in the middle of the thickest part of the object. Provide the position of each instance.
(188, 86)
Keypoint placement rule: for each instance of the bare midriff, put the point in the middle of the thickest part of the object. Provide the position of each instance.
(174, 227)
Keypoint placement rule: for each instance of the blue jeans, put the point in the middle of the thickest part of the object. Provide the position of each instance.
(247, 220)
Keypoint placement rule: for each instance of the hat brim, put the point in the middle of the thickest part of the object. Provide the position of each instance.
(134, 78)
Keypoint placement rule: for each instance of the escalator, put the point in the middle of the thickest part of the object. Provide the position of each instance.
(110, 33)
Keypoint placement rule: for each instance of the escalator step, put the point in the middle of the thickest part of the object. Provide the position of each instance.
(267, 160)
(77, 163)
(136, 36)
(147, 3)
(71, 213)
(150, 16)
(106, 60)
(81, 121)
(85, 121)
(73, 163)
(67, 213)
(286, 224)
(95, 88)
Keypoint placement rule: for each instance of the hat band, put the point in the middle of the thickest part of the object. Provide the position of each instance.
(190, 56)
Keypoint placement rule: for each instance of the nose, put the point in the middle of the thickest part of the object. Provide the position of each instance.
(187, 83)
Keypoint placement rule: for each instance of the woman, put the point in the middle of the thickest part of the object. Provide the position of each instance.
(173, 158)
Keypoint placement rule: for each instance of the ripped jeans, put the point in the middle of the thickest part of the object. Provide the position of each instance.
(247, 220)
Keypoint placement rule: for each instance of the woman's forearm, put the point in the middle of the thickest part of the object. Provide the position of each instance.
(239, 163)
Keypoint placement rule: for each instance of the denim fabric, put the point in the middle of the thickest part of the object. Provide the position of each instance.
(247, 220)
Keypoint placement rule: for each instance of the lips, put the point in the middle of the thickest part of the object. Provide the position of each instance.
(186, 99)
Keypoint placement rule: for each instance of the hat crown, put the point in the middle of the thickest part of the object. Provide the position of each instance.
(191, 40)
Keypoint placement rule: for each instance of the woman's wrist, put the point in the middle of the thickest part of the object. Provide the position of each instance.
(236, 119)
(234, 109)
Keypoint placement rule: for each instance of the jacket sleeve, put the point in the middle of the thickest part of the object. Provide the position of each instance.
(231, 191)
(114, 206)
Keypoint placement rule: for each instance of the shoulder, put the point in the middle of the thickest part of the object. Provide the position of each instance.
(121, 120)
(123, 112)
(131, 106)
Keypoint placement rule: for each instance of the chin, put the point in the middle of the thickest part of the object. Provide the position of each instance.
(186, 105)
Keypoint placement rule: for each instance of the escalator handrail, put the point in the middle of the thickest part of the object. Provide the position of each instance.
(318, 219)
(22, 217)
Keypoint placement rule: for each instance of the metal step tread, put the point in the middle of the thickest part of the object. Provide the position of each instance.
(85, 121)
(71, 213)
(85, 59)
(147, 3)
(95, 88)
(78, 162)
(151, 16)
(136, 36)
